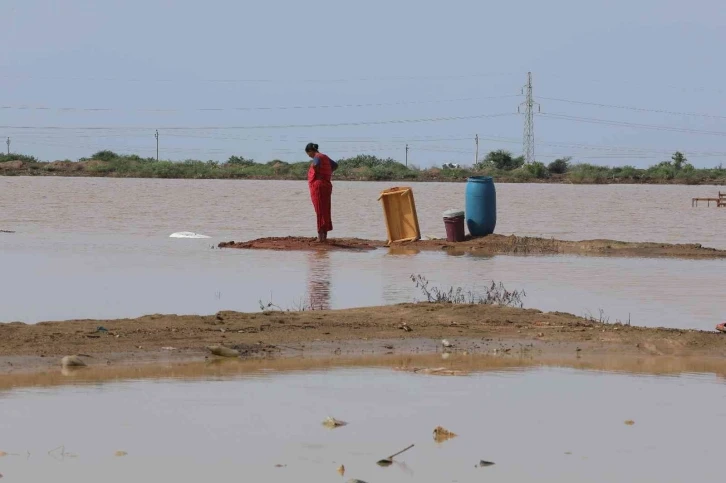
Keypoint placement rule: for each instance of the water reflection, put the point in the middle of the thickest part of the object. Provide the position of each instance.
(319, 280)
(399, 251)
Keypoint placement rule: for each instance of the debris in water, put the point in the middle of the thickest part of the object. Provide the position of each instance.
(630, 422)
(442, 434)
(483, 463)
(187, 234)
(61, 451)
(72, 361)
(221, 351)
(389, 461)
(433, 371)
(333, 423)
(341, 470)
(355, 481)
(280, 466)
(120, 453)
(446, 343)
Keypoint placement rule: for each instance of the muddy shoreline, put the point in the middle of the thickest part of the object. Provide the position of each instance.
(492, 245)
(479, 329)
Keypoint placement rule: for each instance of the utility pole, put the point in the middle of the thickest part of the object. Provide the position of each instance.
(407, 155)
(529, 103)
(8, 143)
(157, 144)
(476, 153)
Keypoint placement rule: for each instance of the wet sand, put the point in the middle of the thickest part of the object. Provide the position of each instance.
(474, 329)
(494, 245)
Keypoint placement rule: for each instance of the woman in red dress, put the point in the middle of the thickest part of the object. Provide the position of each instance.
(320, 175)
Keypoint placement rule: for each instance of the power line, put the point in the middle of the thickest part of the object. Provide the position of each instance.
(647, 85)
(280, 126)
(632, 108)
(243, 81)
(357, 140)
(253, 108)
(656, 127)
(381, 143)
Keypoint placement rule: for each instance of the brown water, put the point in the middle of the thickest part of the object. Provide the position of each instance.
(99, 248)
(239, 427)
(249, 209)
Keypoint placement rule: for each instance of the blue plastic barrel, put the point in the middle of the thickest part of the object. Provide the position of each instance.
(481, 205)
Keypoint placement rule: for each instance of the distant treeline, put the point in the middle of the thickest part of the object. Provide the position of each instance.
(502, 165)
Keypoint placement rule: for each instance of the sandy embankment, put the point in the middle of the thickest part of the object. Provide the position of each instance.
(494, 245)
(476, 329)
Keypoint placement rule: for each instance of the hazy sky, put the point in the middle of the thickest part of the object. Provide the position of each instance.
(224, 77)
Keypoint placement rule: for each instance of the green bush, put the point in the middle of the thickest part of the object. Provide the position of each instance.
(626, 172)
(17, 157)
(559, 166)
(502, 160)
(105, 156)
(240, 161)
(537, 169)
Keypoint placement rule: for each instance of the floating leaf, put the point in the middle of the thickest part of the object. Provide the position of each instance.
(333, 423)
(442, 434)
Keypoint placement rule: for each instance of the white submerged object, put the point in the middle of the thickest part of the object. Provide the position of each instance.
(187, 234)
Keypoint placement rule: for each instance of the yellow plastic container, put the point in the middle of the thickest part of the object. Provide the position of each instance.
(399, 209)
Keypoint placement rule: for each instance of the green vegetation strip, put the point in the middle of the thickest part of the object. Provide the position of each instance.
(501, 165)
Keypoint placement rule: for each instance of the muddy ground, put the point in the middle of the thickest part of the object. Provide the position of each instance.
(398, 329)
(494, 245)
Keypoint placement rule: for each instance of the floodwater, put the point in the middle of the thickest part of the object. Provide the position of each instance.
(57, 207)
(99, 248)
(240, 427)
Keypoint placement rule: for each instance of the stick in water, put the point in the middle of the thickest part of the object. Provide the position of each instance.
(402, 451)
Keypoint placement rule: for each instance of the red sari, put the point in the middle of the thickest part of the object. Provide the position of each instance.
(321, 190)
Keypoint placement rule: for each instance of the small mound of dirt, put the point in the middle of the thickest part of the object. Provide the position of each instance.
(292, 243)
(495, 245)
